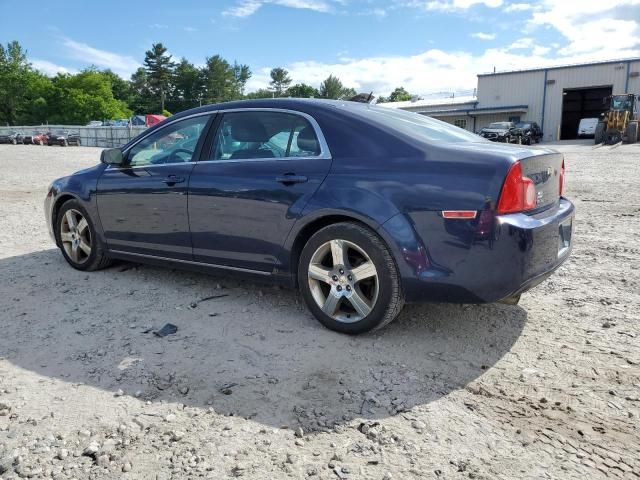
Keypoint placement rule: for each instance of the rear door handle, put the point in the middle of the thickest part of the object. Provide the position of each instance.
(291, 178)
(172, 180)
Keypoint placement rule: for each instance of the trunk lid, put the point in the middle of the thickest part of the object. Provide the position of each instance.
(545, 171)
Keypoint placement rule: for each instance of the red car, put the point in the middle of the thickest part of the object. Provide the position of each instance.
(40, 138)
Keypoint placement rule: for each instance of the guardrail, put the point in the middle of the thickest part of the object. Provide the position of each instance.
(105, 137)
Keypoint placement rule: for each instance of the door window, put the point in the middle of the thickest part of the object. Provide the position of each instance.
(175, 143)
(264, 134)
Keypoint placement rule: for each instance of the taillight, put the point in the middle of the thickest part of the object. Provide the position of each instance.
(562, 178)
(518, 192)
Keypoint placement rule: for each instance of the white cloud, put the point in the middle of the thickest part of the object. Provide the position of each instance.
(452, 5)
(593, 27)
(49, 68)
(245, 8)
(522, 44)
(518, 7)
(159, 26)
(484, 36)
(433, 70)
(121, 64)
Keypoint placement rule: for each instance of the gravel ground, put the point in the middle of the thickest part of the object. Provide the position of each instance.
(252, 386)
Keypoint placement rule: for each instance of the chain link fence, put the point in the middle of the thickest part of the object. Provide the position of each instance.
(104, 137)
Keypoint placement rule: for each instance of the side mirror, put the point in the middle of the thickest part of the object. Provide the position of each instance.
(112, 156)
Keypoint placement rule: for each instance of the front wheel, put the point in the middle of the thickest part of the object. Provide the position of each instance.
(349, 280)
(77, 238)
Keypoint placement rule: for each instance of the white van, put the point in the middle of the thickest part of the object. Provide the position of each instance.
(587, 127)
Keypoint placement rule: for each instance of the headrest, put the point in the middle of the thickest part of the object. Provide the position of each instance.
(307, 140)
(247, 129)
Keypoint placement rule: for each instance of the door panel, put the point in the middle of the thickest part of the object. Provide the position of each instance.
(241, 213)
(143, 206)
(140, 213)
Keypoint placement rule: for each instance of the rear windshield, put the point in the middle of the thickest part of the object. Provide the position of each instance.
(523, 125)
(419, 126)
(500, 125)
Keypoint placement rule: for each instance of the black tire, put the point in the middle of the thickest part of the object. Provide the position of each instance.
(613, 136)
(97, 259)
(64, 143)
(599, 133)
(390, 299)
(632, 132)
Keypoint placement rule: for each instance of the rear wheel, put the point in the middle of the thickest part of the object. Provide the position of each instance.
(76, 236)
(632, 132)
(349, 280)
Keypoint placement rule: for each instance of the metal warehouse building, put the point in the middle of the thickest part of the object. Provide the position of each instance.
(555, 97)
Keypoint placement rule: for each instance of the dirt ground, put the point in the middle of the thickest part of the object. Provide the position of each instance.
(252, 386)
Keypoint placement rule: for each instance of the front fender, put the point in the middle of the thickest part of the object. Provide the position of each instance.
(80, 186)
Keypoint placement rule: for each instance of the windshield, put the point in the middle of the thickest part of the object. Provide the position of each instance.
(523, 125)
(419, 126)
(500, 125)
(621, 103)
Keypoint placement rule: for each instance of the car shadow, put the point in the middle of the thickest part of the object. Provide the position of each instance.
(241, 348)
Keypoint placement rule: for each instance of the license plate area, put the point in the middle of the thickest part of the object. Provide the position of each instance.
(565, 229)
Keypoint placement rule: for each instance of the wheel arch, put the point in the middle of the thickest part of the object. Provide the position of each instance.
(57, 204)
(298, 239)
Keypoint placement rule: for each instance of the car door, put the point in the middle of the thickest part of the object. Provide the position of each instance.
(263, 167)
(143, 204)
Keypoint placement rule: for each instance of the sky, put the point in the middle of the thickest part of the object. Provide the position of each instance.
(431, 47)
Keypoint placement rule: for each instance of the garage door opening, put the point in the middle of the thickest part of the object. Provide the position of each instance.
(579, 103)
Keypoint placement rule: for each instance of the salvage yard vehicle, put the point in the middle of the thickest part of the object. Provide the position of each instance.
(620, 122)
(499, 132)
(528, 133)
(587, 127)
(11, 137)
(63, 138)
(40, 138)
(362, 208)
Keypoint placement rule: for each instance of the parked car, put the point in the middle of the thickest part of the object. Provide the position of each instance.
(40, 138)
(94, 123)
(499, 132)
(63, 138)
(363, 208)
(11, 137)
(528, 132)
(27, 138)
(587, 127)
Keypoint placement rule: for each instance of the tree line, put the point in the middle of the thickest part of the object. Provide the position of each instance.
(162, 85)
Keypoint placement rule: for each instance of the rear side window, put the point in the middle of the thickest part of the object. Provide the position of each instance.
(417, 126)
(264, 134)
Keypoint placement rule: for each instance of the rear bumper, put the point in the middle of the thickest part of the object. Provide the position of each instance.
(488, 258)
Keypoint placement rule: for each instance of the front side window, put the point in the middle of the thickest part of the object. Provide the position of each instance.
(175, 143)
(264, 134)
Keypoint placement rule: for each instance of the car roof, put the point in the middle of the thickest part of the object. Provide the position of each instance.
(302, 104)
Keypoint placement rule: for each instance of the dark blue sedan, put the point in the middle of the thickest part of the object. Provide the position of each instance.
(362, 208)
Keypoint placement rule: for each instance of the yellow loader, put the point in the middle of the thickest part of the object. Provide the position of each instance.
(620, 122)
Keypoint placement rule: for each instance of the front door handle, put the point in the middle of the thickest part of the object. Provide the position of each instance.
(172, 180)
(291, 178)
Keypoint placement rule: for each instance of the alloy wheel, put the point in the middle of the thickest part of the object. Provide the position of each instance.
(75, 235)
(343, 281)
